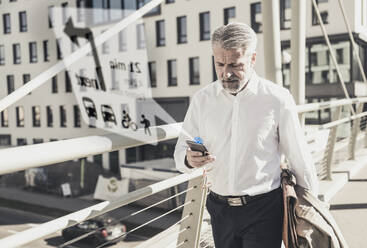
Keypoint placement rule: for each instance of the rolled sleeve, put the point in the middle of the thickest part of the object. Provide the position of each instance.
(188, 131)
(294, 146)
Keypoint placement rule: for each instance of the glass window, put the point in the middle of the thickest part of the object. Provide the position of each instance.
(16, 54)
(50, 117)
(10, 82)
(172, 72)
(32, 52)
(114, 162)
(21, 141)
(152, 74)
(323, 9)
(46, 55)
(51, 18)
(64, 12)
(62, 116)
(77, 122)
(2, 55)
(58, 48)
(154, 11)
(37, 140)
(181, 30)
(54, 84)
(22, 21)
(256, 17)
(170, 1)
(285, 14)
(6, 23)
(68, 87)
(140, 36)
(160, 33)
(4, 118)
(229, 13)
(80, 4)
(205, 26)
(194, 71)
(97, 159)
(5, 140)
(26, 79)
(36, 116)
(122, 41)
(20, 116)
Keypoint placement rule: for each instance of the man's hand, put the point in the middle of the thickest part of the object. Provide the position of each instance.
(197, 159)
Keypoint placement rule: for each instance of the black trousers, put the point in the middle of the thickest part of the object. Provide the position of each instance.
(257, 224)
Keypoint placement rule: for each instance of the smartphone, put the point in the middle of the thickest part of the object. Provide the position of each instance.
(197, 147)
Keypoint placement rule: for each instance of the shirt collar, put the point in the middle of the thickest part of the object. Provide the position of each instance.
(251, 87)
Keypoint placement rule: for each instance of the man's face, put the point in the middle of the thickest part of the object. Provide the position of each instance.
(233, 67)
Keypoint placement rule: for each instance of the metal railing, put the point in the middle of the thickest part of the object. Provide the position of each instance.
(186, 232)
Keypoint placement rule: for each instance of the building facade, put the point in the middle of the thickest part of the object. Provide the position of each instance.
(176, 36)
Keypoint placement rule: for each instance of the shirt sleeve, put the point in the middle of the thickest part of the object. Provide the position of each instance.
(294, 146)
(188, 132)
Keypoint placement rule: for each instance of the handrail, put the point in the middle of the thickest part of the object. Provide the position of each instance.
(50, 227)
(24, 157)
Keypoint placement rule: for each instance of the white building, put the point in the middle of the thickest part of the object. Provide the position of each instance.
(180, 61)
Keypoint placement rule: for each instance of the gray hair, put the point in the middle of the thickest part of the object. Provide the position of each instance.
(235, 35)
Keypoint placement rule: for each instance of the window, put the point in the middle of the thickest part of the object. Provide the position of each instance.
(64, 12)
(76, 116)
(54, 84)
(4, 118)
(80, 4)
(46, 55)
(256, 18)
(122, 41)
(58, 49)
(16, 53)
(154, 11)
(114, 162)
(205, 26)
(170, 1)
(36, 116)
(51, 18)
(340, 56)
(10, 81)
(140, 36)
(67, 82)
(62, 116)
(229, 13)
(26, 78)
(152, 74)
(181, 30)
(160, 33)
(20, 116)
(323, 8)
(32, 52)
(37, 140)
(285, 14)
(21, 142)
(22, 21)
(172, 72)
(6, 23)
(194, 71)
(2, 55)
(97, 159)
(5, 140)
(50, 117)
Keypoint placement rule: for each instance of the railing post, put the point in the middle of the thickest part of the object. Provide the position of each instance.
(190, 238)
(355, 131)
(329, 152)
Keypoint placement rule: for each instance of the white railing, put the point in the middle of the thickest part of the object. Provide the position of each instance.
(188, 228)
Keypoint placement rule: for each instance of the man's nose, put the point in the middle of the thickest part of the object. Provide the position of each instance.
(227, 73)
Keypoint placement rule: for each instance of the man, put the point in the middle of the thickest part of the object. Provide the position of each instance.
(246, 123)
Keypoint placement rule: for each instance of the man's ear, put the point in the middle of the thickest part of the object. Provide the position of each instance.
(253, 59)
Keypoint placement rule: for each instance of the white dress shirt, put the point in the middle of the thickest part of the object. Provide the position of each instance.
(242, 133)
